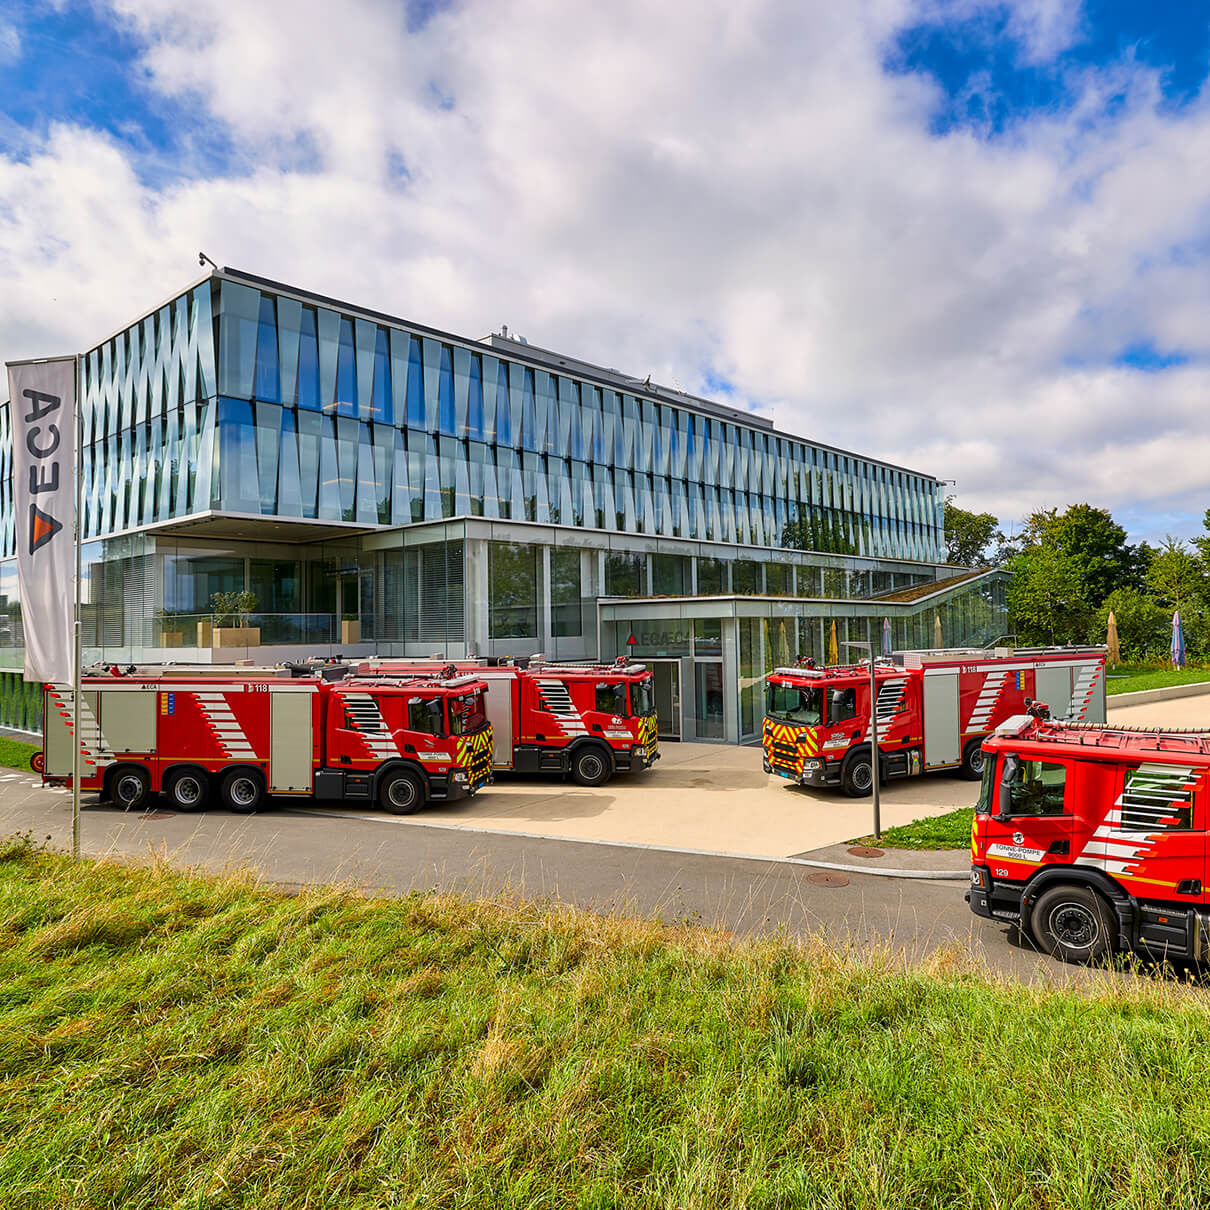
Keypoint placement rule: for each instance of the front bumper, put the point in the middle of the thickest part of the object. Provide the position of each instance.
(815, 772)
(991, 899)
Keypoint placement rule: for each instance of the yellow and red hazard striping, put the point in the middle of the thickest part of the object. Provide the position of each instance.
(474, 753)
(649, 731)
(787, 746)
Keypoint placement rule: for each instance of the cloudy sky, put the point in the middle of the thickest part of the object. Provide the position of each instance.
(969, 236)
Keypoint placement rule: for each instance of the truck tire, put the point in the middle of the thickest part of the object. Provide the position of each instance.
(129, 787)
(242, 791)
(187, 789)
(1072, 923)
(591, 766)
(857, 776)
(401, 793)
(972, 761)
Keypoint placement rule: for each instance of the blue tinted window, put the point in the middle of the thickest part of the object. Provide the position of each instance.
(504, 423)
(346, 372)
(382, 378)
(415, 387)
(308, 363)
(445, 396)
(474, 409)
(267, 385)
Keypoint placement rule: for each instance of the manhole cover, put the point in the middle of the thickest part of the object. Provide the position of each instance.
(157, 815)
(827, 878)
(864, 850)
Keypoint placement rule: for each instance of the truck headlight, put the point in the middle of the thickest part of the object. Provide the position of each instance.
(980, 879)
(460, 775)
(811, 766)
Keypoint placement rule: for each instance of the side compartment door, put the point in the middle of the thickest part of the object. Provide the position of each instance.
(291, 740)
(939, 700)
(1052, 685)
(128, 720)
(498, 702)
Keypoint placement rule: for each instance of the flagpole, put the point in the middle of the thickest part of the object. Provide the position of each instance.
(76, 663)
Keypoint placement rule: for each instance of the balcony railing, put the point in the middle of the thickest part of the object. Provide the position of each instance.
(197, 630)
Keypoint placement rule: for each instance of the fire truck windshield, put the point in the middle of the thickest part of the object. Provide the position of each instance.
(467, 714)
(642, 698)
(795, 705)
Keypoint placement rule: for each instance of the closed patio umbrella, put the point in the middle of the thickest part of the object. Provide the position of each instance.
(1114, 653)
(938, 637)
(886, 636)
(833, 649)
(1178, 641)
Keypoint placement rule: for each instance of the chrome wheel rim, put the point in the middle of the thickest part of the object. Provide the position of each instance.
(244, 792)
(591, 767)
(863, 776)
(128, 788)
(401, 792)
(188, 790)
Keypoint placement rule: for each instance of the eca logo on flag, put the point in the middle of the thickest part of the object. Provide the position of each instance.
(42, 441)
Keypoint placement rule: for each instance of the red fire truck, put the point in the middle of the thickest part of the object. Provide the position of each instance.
(1093, 839)
(932, 708)
(241, 738)
(582, 720)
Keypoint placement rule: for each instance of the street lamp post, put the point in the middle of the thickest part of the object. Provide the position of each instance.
(869, 649)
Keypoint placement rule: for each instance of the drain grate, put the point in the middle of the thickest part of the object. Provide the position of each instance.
(157, 815)
(827, 878)
(864, 850)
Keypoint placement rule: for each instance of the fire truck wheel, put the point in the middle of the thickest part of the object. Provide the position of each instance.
(402, 793)
(857, 776)
(129, 787)
(590, 766)
(242, 791)
(972, 760)
(1072, 923)
(187, 790)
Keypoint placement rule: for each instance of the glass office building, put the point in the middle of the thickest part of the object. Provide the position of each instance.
(380, 486)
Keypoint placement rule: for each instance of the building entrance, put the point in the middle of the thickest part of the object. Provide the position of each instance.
(667, 677)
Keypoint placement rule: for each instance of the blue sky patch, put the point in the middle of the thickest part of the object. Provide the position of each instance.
(988, 84)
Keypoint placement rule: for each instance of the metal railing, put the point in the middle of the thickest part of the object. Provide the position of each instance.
(198, 630)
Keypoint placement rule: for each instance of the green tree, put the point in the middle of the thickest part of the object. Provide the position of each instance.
(1143, 624)
(1048, 597)
(1094, 540)
(968, 535)
(1175, 576)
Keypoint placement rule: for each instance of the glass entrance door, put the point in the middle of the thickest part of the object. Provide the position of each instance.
(667, 677)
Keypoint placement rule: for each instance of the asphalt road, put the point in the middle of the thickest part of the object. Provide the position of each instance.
(913, 921)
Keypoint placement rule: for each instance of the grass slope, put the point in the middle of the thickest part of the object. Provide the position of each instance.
(168, 1040)
(949, 831)
(15, 754)
(1128, 678)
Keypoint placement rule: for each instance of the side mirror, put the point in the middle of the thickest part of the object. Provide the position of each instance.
(1004, 790)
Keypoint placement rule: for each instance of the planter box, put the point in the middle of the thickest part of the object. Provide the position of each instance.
(204, 628)
(236, 636)
(172, 638)
(350, 632)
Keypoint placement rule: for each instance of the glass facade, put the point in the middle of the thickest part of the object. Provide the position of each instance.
(372, 481)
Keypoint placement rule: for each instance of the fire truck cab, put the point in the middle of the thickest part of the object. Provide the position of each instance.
(196, 737)
(1092, 839)
(585, 721)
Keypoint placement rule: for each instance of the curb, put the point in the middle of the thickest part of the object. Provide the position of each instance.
(875, 872)
(1167, 693)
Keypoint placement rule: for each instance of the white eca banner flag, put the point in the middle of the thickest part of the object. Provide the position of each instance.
(42, 406)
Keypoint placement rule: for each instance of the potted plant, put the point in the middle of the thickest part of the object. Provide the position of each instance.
(350, 629)
(229, 620)
(171, 632)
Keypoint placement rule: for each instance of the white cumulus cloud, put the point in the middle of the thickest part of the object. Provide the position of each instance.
(701, 191)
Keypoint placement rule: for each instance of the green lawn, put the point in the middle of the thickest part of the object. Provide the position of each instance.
(14, 754)
(1128, 678)
(950, 831)
(168, 1040)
